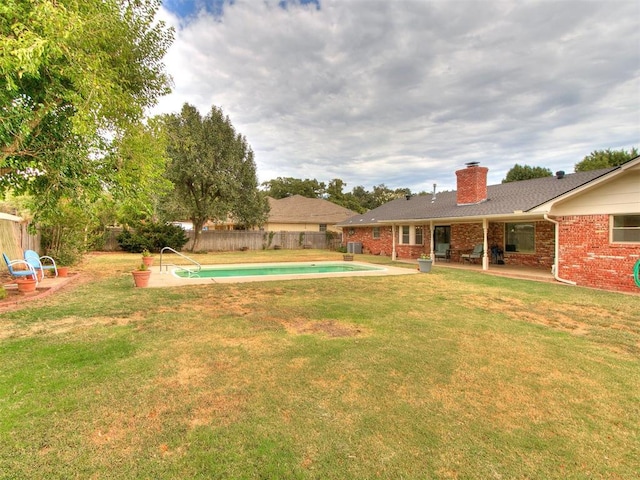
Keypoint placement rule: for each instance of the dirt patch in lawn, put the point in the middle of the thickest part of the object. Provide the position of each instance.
(328, 327)
(60, 327)
(560, 317)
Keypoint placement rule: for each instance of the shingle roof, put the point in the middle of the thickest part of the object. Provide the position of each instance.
(299, 209)
(502, 199)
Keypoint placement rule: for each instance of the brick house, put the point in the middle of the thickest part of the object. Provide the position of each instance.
(585, 226)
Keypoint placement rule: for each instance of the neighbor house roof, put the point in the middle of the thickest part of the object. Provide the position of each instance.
(502, 200)
(299, 209)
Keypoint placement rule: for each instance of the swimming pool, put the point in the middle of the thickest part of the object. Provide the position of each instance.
(263, 270)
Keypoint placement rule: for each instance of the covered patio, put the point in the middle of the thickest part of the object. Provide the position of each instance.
(511, 271)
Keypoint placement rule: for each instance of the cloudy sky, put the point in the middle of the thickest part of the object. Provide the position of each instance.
(405, 92)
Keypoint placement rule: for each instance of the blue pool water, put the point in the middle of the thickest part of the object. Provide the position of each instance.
(273, 269)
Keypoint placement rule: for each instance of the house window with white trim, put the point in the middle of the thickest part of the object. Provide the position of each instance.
(418, 237)
(410, 235)
(520, 237)
(625, 228)
(323, 227)
(375, 232)
(405, 235)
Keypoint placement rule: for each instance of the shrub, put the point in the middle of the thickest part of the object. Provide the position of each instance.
(153, 237)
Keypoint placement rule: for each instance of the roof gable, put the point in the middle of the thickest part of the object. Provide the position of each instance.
(299, 209)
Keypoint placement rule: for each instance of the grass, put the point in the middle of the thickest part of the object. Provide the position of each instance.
(453, 374)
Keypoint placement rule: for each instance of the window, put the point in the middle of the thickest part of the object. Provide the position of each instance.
(418, 240)
(442, 234)
(405, 235)
(520, 237)
(375, 233)
(625, 228)
(323, 227)
(410, 235)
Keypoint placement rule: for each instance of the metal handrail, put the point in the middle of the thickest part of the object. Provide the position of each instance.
(188, 270)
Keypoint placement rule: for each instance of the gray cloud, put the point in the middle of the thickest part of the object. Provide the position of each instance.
(405, 92)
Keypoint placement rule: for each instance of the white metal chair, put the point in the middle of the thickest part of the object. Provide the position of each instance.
(36, 261)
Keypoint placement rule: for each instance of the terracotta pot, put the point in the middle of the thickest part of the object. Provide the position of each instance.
(26, 285)
(141, 277)
(148, 261)
(63, 271)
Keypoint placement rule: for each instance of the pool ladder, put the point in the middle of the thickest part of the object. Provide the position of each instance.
(191, 272)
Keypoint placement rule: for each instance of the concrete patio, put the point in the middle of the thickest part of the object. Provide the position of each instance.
(511, 271)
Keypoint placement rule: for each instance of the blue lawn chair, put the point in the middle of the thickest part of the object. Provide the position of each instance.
(36, 261)
(29, 271)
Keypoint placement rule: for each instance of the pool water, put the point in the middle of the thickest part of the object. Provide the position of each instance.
(272, 269)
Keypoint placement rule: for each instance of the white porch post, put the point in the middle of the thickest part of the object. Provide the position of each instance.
(485, 252)
(393, 245)
(431, 245)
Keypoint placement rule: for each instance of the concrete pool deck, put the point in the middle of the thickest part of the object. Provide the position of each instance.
(166, 278)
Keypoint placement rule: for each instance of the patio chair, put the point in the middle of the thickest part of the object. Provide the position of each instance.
(442, 251)
(36, 261)
(28, 270)
(475, 254)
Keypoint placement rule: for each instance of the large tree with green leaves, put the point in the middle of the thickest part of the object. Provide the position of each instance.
(605, 159)
(283, 187)
(137, 162)
(336, 195)
(73, 72)
(213, 170)
(526, 172)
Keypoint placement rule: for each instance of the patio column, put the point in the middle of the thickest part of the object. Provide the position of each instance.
(485, 249)
(393, 244)
(431, 245)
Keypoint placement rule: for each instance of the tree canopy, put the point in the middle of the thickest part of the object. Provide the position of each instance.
(212, 169)
(604, 159)
(359, 199)
(526, 172)
(283, 187)
(71, 74)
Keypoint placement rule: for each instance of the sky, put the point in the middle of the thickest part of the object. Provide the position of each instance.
(405, 92)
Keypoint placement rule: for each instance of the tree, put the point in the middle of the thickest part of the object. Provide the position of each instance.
(344, 199)
(70, 71)
(212, 169)
(525, 172)
(382, 194)
(605, 159)
(136, 164)
(283, 187)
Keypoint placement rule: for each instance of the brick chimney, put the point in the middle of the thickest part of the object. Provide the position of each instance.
(472, 184)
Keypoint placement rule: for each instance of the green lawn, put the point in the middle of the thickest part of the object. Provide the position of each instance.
(452, 374)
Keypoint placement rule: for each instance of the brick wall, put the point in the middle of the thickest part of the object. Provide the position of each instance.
(586, 255)
(464, 237)
(384, 244)
(471, 185)
(589, 259)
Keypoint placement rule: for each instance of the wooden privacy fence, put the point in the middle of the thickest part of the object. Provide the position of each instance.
(15, 238)
(229, 240)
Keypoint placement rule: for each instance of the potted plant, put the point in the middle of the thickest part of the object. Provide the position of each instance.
(424, 263)
(147, 259)
(63, 270)
(64, 258)
(26, 284)
(141, 276)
